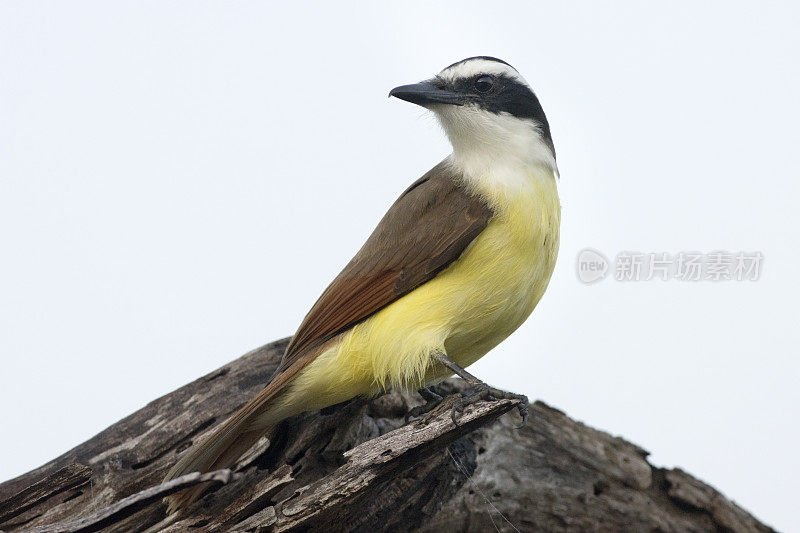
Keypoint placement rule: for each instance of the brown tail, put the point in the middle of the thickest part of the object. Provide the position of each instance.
(223, 447)
(220, 449)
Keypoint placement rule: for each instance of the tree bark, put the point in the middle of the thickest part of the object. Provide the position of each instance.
(359, 466)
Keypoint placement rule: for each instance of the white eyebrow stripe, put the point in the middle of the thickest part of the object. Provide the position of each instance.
(473, 67)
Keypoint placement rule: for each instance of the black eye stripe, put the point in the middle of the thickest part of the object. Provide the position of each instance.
(484, 83)
(470, 85)
(506, 95)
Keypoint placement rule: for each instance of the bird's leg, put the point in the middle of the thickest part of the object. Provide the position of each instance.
(481, 391)
(432, 400)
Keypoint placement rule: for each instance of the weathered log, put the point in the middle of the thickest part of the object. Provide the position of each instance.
(124, 508)
(359, 467)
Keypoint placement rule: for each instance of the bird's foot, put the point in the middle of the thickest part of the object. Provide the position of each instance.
(482, 391)
(432, 401)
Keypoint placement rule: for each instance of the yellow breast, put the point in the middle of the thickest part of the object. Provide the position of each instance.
(466, 310)
(507, 270)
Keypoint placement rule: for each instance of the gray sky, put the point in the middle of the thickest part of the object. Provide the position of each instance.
(179, 181)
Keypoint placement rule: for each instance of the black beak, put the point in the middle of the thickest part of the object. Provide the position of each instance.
(425, 93)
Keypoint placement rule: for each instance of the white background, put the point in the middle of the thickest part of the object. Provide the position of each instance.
(180, 180)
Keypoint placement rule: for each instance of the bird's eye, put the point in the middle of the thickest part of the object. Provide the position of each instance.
(484, 84)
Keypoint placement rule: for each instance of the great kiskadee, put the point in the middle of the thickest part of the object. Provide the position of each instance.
(455, 266)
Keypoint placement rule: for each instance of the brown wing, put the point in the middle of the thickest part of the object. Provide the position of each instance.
(425, 230)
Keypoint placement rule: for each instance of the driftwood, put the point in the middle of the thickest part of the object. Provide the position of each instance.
(359, 467)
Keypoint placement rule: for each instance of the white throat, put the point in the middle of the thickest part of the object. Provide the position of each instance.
(486, 143)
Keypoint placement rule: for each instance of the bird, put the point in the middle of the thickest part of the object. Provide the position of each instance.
(457, 264)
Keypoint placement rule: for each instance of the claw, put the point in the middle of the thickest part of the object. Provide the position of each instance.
(482, 391)
(412, 413)
(458, 408)
(432, 400)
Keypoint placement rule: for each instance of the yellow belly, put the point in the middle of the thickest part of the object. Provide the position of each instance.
(466, 310)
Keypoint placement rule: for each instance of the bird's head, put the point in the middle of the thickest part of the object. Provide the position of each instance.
(487, 110)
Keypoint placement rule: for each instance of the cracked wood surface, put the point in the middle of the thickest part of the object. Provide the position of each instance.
(358, 467)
